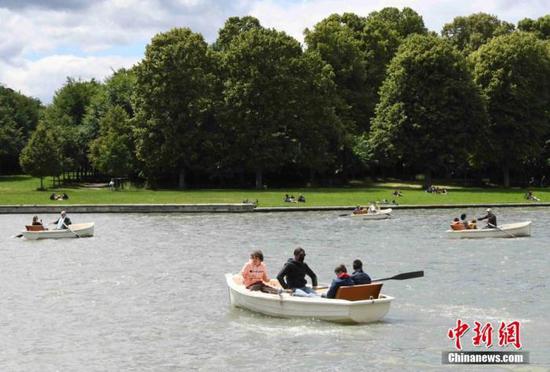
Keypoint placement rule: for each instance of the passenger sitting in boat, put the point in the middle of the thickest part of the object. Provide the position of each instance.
(472, 225)
(293, 275)
(491, 219)
(342, 279)
(254, 274)
(463, 220)
(358, 210)
(63, 221)
(457, 225)
(35, 221)
(359, 276)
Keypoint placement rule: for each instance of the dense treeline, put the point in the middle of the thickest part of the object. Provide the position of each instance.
(365, 96)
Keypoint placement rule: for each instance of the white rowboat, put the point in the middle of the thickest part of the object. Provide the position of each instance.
(379, 214)
(287, 306)
(79, 230)
(512, 230)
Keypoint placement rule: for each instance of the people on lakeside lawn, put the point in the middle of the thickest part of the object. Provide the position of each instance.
(293, 275)
(397, 193)
(436, 190)
(491, 219)
(301, 199)
(63, 221)
(36, 221)
(342, 279)
(457, 225)
(530, 196)
(54, 196)
(290, 199)
(254, 274)
(359, 276)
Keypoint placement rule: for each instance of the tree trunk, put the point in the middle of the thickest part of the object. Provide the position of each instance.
(181, 181)
(427, 179)
(259, 182)
(506, 175)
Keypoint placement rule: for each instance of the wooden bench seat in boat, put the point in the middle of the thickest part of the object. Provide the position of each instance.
(359, 292)
(35, 227)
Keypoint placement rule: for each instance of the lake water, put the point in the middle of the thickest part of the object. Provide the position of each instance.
(147, 292)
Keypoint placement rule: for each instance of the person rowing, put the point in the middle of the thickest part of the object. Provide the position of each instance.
(63, 221)
(491, 219)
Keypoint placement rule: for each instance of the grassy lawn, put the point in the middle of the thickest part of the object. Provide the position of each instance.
(22, 190)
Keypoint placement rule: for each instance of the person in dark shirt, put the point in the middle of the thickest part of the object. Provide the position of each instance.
(342, 279)
(293, 275)
(359, 276)
(491, 219)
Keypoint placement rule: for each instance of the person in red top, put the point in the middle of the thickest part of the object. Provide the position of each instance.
(254, 274)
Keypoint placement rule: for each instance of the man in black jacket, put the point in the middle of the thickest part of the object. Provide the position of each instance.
(359, 276)
(295, 271)
(491, 219)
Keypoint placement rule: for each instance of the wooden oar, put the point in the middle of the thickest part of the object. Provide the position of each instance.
(504, 231)
(410, 275)
(68, 228)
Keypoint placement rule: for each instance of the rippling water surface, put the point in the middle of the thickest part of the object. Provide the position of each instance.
(147, 292)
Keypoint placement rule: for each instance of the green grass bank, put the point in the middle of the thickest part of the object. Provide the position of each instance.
(17, 190)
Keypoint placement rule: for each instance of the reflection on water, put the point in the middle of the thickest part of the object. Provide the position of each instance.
(148, 291)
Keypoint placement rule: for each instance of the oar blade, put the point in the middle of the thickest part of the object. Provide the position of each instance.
(403, 276)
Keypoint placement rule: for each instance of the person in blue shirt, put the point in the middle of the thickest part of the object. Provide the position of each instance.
(342, 279)
(359, 276)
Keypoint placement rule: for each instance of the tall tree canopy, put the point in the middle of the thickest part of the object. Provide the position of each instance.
(19, 116)
(467, 34)
(233, 27)
(513, 72)
(540, 26)
(174, 89)
(430, 111)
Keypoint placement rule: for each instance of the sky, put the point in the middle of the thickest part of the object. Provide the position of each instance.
(42, 42)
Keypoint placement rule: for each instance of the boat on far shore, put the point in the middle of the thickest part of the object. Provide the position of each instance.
(511, 230)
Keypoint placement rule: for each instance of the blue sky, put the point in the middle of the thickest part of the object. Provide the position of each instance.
(42, 42)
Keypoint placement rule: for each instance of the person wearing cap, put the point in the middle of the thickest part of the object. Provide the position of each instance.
(491, 219)
(63, 221)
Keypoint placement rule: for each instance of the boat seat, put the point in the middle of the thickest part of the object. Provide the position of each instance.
(359, 292)
(35, 227)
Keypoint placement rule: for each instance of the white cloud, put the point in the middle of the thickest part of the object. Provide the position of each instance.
(42, 42)
(42, 77)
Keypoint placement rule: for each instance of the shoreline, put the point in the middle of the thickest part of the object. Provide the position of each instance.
(228, 208)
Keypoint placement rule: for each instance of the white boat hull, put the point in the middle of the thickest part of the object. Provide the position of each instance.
(80, 230)
(512, 230)
(287, 306)
(381, 214)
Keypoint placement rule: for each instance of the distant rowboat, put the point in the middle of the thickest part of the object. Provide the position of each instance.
(79, 230)
(512, 230)
(378, 214)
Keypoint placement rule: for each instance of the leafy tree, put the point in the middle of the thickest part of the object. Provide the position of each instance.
(269, 91)
(175, 83)
(513, 72)
(112, 152)
(233, 27)
(541, 26)
(467, 34)
(430, 112)
(67, 113)
(40, 157)
(18, 118)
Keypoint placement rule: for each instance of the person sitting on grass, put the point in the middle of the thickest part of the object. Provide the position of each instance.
(301, 199)
(254, 274)
(342, 279)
